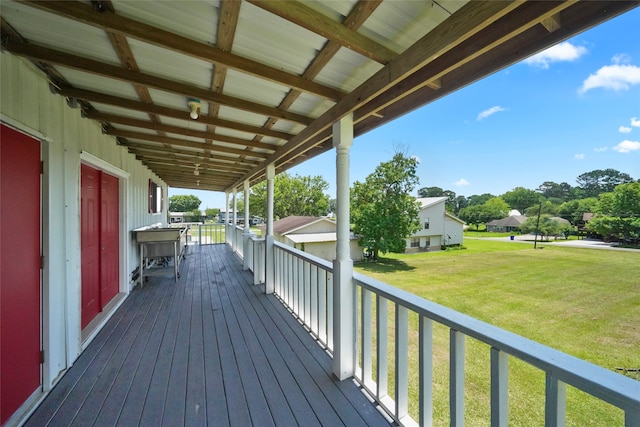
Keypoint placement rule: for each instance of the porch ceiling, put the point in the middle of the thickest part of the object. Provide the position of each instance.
(272, 76)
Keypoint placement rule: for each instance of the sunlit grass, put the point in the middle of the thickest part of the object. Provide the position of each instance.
(583, 302)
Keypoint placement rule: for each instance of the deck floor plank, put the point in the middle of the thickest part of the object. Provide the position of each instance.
(209, 350)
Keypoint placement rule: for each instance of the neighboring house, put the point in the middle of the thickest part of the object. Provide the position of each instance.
(509, 224)
(314, 235)
(222, 216)
(438, 227)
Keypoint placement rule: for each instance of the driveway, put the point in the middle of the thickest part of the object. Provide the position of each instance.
(583, 243)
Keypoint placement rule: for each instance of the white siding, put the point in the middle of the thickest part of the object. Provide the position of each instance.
(27, 104)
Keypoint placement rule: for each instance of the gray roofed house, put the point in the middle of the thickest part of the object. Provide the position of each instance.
(508, 224)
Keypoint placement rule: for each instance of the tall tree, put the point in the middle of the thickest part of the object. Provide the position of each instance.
(293, 195)
(479, 199)
(450, 204)
(574, 210)
(182, 203)
(601, 181)
(494, 208)
(550, 189)
(521, 198)
(618, 213)
(383, 211)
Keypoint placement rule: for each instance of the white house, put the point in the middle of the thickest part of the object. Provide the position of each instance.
(314, 235)
(438, 227)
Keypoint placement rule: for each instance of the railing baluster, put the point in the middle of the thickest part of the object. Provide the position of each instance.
(306, 282)
(456, 380)
(402, 361)
(383, 347)
(499, 388)
(367, 337)
(632, 418)
(426, 371)
(313, 321)
(322, 305)
(330, 310)
(555, 402)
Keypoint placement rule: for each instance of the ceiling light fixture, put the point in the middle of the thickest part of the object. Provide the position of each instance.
(194, 106)
(196, 172)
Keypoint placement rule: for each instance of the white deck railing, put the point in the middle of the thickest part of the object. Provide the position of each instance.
(304, 283)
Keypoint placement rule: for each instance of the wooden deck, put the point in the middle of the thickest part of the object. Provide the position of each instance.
(211, 350)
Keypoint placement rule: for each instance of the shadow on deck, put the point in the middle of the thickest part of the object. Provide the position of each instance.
(211, 350)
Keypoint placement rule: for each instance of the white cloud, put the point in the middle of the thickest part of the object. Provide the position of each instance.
(486, 113)
(627, 146)
(564, 51)
(580, 156)
(461, 183)
(621, 58)
(635, 122)
(615, 77)
(624, 129)
(600, 149)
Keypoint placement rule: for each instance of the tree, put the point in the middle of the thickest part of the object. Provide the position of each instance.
(521, 198)
(550, 189)
(293, 195)
(494, 208)
(601, 181)
(450, 204)
(461, 203)
(210, 213)
(479, 199)
(383, 212)
(545, 227)
(184, 203)
(574, 210)
(618, 213)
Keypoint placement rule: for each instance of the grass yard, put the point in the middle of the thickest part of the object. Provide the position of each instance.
(584, 302)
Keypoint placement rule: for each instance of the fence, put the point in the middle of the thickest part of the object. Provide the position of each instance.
(304, 283)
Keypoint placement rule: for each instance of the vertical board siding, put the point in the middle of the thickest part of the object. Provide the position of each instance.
(26, 100)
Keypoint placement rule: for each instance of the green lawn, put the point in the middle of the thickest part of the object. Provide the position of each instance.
(584, 302)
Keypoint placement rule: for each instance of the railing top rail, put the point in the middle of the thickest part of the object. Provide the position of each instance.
(317, 261)
(256, 238)
(602, 383)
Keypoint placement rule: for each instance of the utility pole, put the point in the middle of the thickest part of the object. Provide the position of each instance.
(535, 236)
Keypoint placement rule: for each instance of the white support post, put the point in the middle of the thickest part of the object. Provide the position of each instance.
(247, 232)
(269, 260)
(234, 235)
(344, 295)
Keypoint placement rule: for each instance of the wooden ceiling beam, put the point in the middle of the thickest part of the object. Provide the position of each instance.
(183, 159)
(144, 124)
(156, 36)
(231, 162)
(130, 104)
(182, 143)
(91, 66)
(469, 20)
(306, 17)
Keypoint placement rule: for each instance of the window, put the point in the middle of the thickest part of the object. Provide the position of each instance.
(426, 224)
(415, 242)
(155, 197)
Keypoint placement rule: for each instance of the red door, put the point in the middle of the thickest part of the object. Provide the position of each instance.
(99, 211)
(90, 242)
(19, 270)
(109, 239)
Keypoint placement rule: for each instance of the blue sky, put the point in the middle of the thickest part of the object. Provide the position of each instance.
(568, 110)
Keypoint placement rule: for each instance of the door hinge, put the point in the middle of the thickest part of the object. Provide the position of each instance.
(41, 167)
(41, 356)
